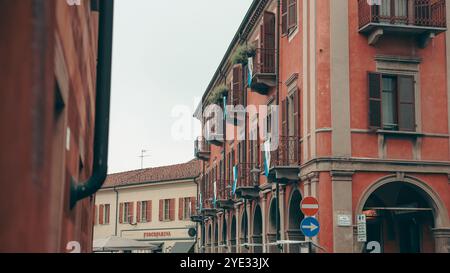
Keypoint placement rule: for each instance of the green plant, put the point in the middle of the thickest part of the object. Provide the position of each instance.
(242, 53)
(217, 94)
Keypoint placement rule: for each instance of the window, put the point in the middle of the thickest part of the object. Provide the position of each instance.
(391, 102)
(166, 210)
(187, 208)
(288, 16)
(126, 212)
(104, 212)
(144, 212)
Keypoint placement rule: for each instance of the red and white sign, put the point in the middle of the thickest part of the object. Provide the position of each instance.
(309, 206)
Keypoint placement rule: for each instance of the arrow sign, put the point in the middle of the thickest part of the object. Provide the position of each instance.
(309, 206)
(310, 227)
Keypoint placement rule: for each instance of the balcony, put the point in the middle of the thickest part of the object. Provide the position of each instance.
(202, 150)
(224, 197)
(236, 106)
(208, 209)
(264, 72)
(421, 18)
(285, 161)
(248, 181)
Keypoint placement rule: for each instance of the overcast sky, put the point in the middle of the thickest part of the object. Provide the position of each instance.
(165, 54)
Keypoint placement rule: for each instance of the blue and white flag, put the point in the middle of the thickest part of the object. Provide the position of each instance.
(200, 203)
(225, 107)
(267, 157)
(215, 193)
(250, 71)
(235, 179)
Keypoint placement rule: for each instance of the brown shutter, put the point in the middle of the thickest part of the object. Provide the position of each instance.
(284, 17)
(131, 212)
(375, 92)
(406, 111)
(161, 210)
(193, 206)
(237, 84)
(268, 46)
(121, 213)
(172, 210)
(138, 212)
(180, 208)
(100, 221)
(296, 113)
(292, 14)
(284, 118)
(149, 210)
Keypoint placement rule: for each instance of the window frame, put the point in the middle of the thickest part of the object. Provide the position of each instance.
(166, 209)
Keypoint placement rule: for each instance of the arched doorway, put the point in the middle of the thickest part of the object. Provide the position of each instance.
(203, 237)
(274, 217)
(400, 218)
(224, 232)
(216, 238)
(295, 218)
(233, 235)
(244, 232)
(257, 230)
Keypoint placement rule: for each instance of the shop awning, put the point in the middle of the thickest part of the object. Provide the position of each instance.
(183, 247)
(113, 243)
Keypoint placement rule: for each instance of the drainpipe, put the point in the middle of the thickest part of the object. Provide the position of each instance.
(278, 103)
(117, 210)
(81, 190)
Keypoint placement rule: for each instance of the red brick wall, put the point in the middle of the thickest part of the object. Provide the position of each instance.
(34, 200)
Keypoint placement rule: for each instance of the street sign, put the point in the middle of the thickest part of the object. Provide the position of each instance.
(310, 227)
(309, 206)
(361, 228)
(344, 220)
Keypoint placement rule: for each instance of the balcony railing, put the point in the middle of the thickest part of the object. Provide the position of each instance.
(245, 175)
(202, 149)
(224, 189)
(264, 63)
(419, 13)
(288, 152)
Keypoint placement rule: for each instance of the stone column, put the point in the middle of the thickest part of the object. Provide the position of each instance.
(281, 206)
(342, 205)
(441, 240)
(238, 230)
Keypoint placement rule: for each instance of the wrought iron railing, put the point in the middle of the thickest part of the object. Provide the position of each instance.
(264, 62)
(246, 177)
(288, 152)
(201, 146)
(427, 13)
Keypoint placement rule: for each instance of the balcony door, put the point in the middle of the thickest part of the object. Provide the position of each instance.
(394, 11)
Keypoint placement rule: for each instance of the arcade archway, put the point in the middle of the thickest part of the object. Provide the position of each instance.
(295, 218)
(257, 230)
(274, 218)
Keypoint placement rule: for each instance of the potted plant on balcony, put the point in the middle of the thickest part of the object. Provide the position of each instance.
(242, 53)
(218, 94)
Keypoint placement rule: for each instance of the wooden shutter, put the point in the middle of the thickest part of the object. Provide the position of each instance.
(121, 213)
(95, 215)
(161, 210)
(149, 210)
(193, 206)
(138, 212)
(406, 103)
(101, 214)
(284, 118)
(296, 113)
(292, 14)
(375, 93)
(131, 212)
(237, 84)
(172, 209)
(268, 43)
(180, 208)
(284, 17)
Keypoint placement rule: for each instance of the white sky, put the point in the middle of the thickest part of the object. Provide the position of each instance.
(165, 54)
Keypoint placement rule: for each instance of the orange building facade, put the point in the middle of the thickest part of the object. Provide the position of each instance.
(55, 81)
(360, 120)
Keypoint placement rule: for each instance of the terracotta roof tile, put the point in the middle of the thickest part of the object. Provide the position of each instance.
(174, 172)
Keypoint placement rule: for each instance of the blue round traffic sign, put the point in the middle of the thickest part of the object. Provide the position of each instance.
(310, 227)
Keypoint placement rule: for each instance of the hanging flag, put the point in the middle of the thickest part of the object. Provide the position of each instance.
(250, 71)
(235, 179)
(225, 107)
(200, 203)
(267, 157)
(215, 193)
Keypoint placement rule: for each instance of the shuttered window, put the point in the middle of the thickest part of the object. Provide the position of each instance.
(288, 16)
(391, 102)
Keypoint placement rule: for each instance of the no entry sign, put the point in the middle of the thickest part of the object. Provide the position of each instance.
(309, 206)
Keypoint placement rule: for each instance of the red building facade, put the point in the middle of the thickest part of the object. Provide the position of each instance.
(55, 71)
(362, 124)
